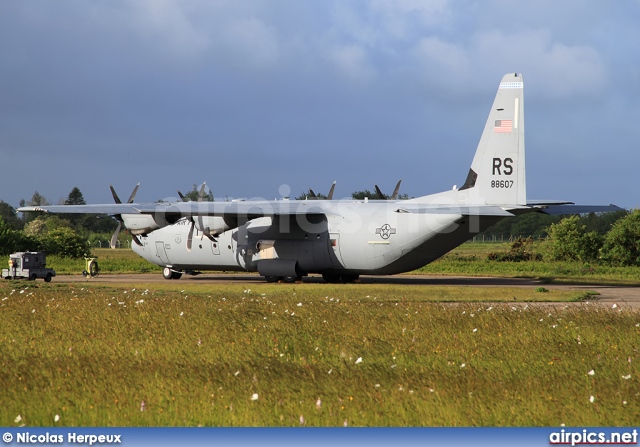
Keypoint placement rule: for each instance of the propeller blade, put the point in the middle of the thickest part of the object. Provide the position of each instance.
(190, 237)
(312, 195)
(330, 195)
(114, 238)
(184, 199)
(136, 240)
(133, 193)
(202, 193)
(379, 193)
(115, 196)
(394, 196)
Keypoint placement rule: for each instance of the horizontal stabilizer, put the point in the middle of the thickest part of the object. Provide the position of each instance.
(555, 210)
(494, 211)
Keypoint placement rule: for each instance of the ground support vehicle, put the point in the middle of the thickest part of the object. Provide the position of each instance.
(30, 265)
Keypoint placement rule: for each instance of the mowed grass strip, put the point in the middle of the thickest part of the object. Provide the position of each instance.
(313, 355)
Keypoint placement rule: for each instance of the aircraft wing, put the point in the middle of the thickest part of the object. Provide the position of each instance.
(253, 209)
(250, 209)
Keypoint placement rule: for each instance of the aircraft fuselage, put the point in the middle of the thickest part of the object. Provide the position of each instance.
(359, 238)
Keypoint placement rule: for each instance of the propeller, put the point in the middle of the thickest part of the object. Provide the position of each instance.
(312, 195)
(394, 196)
(201, 196)
(333, 187)
(114, 238)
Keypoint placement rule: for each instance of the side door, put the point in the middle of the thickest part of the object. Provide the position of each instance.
(162, 253)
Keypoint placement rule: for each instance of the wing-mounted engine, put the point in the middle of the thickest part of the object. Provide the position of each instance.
(209, 226)
(212, 226)
(139, 224)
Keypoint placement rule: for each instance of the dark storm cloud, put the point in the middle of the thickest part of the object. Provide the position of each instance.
(250, 95)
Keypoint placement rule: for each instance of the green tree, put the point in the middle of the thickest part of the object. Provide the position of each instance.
(75, 197)
(12, 240)
(195, 195)
(42, 225)
(361, 195)
(10, 216)
(569, 240)
(601, 223)
(37, 199)
(64, 242)
(622, 242)
(306, 195)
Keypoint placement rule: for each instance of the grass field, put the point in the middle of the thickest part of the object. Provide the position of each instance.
(319, 355)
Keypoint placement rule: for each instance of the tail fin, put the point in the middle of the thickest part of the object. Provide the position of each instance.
(497, 174)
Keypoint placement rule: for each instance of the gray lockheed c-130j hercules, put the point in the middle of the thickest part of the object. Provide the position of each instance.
(341, 239)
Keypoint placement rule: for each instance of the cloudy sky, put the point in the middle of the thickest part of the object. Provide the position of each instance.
(253, 95)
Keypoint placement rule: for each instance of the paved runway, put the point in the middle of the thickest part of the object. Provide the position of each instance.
(621, 296)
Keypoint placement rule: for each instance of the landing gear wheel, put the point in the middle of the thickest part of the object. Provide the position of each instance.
(176, 275)
(272, 278)
(167, 273)
(331, 278)
(350, 278)
(291, 279)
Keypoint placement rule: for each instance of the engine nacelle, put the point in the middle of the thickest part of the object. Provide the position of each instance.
(140, 223)
(214, 225)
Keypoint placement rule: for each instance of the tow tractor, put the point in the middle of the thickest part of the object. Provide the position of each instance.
(30, 265)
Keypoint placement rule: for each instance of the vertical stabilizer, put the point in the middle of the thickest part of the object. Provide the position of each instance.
(497, 174)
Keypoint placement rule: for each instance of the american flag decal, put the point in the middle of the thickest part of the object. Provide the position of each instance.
(503, 126)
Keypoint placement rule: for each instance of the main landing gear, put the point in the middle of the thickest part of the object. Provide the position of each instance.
(328, 277)
(168, 273)
(335, 278)
(286, 279)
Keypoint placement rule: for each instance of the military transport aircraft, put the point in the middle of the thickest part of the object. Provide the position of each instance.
(341, 239)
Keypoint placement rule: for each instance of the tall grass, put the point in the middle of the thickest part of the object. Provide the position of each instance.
(318, 355)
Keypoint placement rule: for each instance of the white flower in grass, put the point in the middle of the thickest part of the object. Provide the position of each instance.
(345, 423)
(143, 406)
(463, 365)
(56, 418)
(592, 373)
(318, 404)
(181, 313)
(299, 304)
(592, 399)
(614, 306)
(475, 329)
(627, 377)
(18, 419)
(359, 360)
(301, 420)
(254, 396)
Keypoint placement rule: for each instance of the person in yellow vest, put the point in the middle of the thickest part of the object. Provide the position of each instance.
(12, 267)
